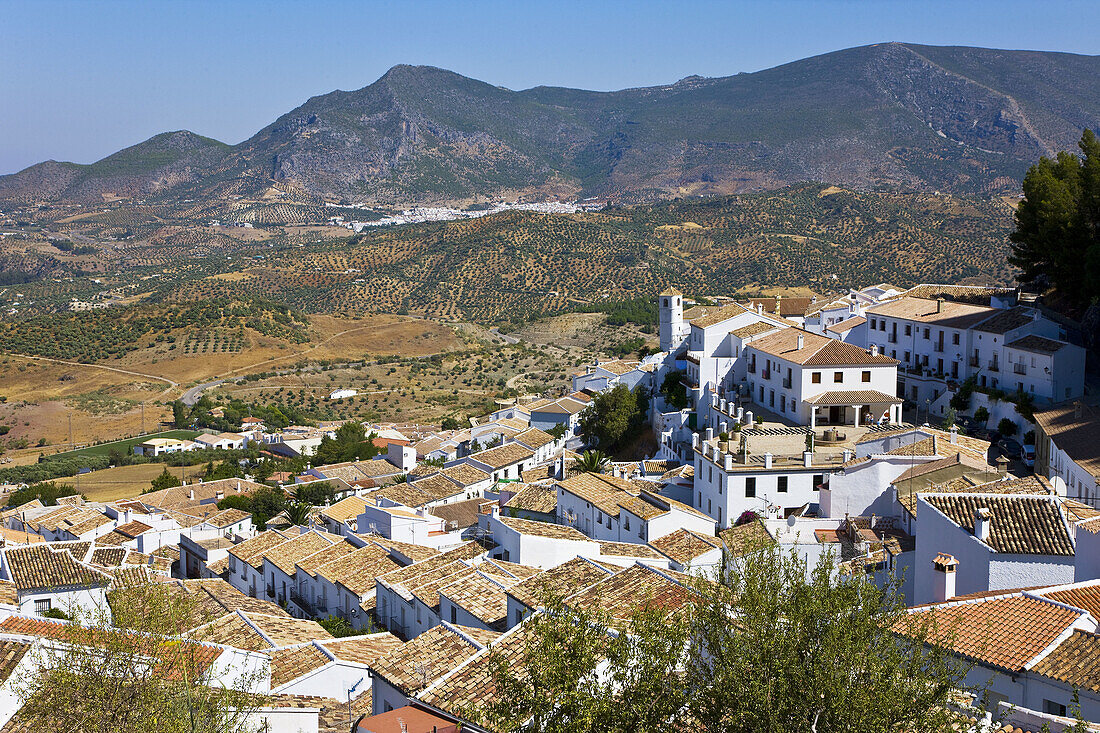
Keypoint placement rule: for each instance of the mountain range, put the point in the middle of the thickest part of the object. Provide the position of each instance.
(894, 115)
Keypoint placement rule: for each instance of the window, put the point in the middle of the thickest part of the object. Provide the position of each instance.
(781, 484)
(42, 606)
(873, 322)
(819, 478)
(719, 519)
(709, 507)
(955, 339)
(1054, 708)
(700, 504)
(816, 377)
(626, 522)
(454, 615)
(838, 377)
(882, 325)
(908, 329)
(866, 376)
(927, 334)
(750, 487)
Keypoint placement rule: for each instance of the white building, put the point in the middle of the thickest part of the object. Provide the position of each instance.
(1067, 449)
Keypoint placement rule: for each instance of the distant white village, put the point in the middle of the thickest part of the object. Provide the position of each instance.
(421, 214)
(934, 434)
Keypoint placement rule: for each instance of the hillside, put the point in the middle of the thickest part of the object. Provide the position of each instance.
(964, 120)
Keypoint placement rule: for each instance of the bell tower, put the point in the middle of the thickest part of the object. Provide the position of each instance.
(670, 309)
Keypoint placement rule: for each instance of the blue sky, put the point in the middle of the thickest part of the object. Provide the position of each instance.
(81, 79)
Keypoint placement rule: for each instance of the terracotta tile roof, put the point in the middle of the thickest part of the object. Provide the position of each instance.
(41, 566)
(1075, 662)
(426, 586)
(286, 554)
(564, 580)
(1020, 524)
(472, 683)
(407, 551)
(636, 587)
(502, 455)
(11, 653)
(132, 529)
(1005, 632)
(629, 549)
(460, 514)
(8, 593)
(1037, 344)
(978, 294)
(1005, 320)
(429, 656)
(290, 664)
(252, 550)
(1083, 596)
(706, 316)
(356, 470)
(817, 350)
(1074, 435)
(480, 596)
(216, 596)
(358, 571)
(542, 529)
(205, 493)
(231, 630)
(924, 310)
(745, 538)
(326, 555)
(847, 324)
(754, 329)
(366, 649)
(683, 545)
(110, 557)
(464, 474)
(841, 398)
(534, 498)
(534, 438)
(401, 576)
(285, 631)
(227, 517)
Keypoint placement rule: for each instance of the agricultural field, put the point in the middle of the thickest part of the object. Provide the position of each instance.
(123, 482)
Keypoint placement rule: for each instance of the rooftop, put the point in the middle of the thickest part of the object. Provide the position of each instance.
(1074, 428)
(816, 350)
(1020, 524)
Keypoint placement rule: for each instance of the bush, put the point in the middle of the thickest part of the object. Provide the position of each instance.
(1006, 427)
(48, 494)
(981, 415)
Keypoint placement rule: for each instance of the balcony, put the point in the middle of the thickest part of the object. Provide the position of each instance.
(786, 383)
(765, 374)
(938, 348)
(973, 362)
(994, 366)
(270, 591)
(892, 338)
(752, 368)
(1019, 368)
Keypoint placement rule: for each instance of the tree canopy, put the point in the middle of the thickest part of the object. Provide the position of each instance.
(1057, 238)
(613, 417)
(776, 647)
(352, 443)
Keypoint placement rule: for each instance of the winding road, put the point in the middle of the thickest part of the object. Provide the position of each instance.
(171, 385)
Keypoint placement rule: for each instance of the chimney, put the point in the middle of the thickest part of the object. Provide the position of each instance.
(767, 460)
(807, 458)
(954, 435)
(801, 342)
(1002, 465)
(935, 444)
(695, 440)
(710, 434)
(982, 519)
(727, 461)
(874, 349)
(219, 495)
(760, 308)
(191, 494)
(847, 455)
(943, 589)
(939, 305)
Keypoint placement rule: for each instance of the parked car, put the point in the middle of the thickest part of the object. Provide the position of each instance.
(1011, 448)
(1027, 455)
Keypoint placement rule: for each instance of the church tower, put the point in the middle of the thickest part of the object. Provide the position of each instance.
(670, 309)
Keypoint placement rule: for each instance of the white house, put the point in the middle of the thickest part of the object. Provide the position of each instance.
(505, 462)
(161, 446)
(997, 541)
(343, 393)
(615, 510)
(50, 577)
(1067, 449)
(221, 441)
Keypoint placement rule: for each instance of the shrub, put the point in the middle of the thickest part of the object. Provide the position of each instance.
(1006, 427)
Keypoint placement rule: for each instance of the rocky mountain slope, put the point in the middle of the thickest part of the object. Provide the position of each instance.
(964, 120)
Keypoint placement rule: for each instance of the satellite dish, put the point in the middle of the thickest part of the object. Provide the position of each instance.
(1059, 485)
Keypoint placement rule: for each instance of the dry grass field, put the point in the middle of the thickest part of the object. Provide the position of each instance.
(123, 482)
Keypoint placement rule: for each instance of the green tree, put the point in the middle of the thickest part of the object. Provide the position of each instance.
(165, 480)
(674, 391)
(613, 417)
(777, 647)
(1057, 238)
(46, 493)
(350, 444)
(450, 423)
(265, 504)
(179, 414)
(299, 512)
(314, 493)
(981, 415)
(1006, 427)
(591, 461)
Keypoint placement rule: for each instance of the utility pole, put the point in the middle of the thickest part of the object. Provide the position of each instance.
(143, 418)
(70, 430)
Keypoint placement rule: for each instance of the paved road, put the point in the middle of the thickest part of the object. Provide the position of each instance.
(193, 395)
(503, 336)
